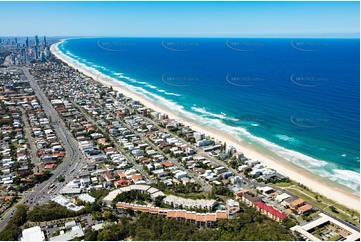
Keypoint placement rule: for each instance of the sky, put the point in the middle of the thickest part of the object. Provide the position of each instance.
(181, 19)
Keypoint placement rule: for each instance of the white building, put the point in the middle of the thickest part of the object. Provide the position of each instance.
(75, 232)
(33, 234)
(199, 136)
(86, 198)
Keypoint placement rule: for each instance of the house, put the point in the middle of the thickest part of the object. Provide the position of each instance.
(307, 208)
(296, 203)
(167, 164)
(180, 175)
(108, 177)
(121, 174)
(248, 198)
(267, 191)
(122, 183)
(50, 166)
(282, 197)
(136, 178)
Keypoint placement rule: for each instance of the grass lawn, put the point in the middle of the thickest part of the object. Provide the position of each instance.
(284, 184)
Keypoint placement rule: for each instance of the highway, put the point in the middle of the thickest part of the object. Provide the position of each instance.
(74, 157)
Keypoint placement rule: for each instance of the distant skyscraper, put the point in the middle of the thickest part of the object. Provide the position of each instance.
(16, 40)
(43, 57)
(36, 41)
(44, 40)
(27, 42)
(23, 55)
(36, 52)
(13, 58)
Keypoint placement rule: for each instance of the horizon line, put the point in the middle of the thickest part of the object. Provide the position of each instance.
(199, 37)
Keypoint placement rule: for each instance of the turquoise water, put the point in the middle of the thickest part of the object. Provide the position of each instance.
(296, 98)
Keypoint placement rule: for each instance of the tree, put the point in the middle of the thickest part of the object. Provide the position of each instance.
(60, 179)
(333, 209)
(90, 235)
(12, 228)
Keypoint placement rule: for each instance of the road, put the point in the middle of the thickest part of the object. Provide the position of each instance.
(73, 159)
(26, 127)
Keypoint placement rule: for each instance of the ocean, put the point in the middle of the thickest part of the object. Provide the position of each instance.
(297, 98)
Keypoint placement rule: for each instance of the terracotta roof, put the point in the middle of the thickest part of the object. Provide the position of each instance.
(181, 214)
(167, 164)
(221, 215)
(38, 173)
(109, 149)
(297, 202)
(136, 177)
(122, 183)
(200, 217)
(58, 154)
(121, 174)
(305, 208)
(171, 214)
(50, 166)
(211, 217)
(154, 210)
(108, 176)
(191, 216)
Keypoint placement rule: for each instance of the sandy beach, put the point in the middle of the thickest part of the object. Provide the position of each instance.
(317, 184)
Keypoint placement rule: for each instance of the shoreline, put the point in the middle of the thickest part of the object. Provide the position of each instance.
(298, 174)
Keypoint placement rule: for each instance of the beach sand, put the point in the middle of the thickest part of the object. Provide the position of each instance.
(298, 174)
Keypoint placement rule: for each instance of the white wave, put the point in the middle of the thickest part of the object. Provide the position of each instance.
(222, 115)
(172, 94)
(151, 86)
(169, 93)
(204, 112)
(291, 140)
(348, 178)
(255, 125)
(295, 157)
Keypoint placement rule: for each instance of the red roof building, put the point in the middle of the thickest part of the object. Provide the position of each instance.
(108, 177)
(121, 174)
(270, 211)
(136, 177)
(122, 183)
(167, 164)
(50, 166)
